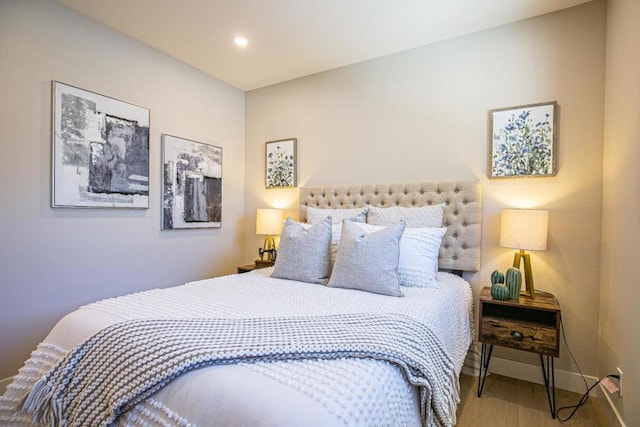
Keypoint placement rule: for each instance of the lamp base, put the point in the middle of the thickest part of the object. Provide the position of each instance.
(528, 276)
(269, 249)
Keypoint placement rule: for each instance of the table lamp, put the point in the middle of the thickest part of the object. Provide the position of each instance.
(524, 229)
(269, 223)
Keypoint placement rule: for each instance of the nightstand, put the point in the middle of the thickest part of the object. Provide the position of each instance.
(257, 264)
(246, 268)
(525, 324)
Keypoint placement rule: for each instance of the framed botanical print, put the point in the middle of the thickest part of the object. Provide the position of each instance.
(100, 151)
(281, 163)
(523, 141)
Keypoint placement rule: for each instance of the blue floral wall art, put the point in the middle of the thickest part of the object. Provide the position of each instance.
(523, 141)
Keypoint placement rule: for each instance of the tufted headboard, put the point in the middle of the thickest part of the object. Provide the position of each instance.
(460, 248)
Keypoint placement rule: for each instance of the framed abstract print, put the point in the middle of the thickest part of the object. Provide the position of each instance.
(191, 184)
(100, 151)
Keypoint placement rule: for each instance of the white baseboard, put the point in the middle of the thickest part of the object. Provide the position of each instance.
(605, 394)
(565, 380)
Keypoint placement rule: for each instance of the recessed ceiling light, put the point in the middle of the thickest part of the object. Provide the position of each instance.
(240, 41)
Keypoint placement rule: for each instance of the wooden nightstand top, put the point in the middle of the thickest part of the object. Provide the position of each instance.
(246, 268)
(257, 264)
(543, 300)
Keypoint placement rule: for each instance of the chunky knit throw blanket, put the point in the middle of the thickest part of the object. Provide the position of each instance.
(127, 362)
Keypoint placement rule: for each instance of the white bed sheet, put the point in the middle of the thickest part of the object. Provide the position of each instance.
(359, 392)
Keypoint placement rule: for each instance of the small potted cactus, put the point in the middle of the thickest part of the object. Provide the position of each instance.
(506, 286)
(513, 280)
(498, 288)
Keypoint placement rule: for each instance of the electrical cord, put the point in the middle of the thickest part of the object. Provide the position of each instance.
(581, 402)
(566, 343)
(585, 397)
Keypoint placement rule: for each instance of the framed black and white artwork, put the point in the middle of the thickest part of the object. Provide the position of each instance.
(191, 185)
(100, 151)
(281, 163)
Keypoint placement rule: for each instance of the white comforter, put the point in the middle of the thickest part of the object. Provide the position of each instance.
(360, 392)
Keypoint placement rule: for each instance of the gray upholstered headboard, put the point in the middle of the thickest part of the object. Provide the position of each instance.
(460, 248)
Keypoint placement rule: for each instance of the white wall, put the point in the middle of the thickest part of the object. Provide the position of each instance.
(422, 115)
(54, 260)
(620, 291)
(417, 115)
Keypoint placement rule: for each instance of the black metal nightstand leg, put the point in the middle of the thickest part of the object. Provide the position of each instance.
(484, 364)
(549, 374)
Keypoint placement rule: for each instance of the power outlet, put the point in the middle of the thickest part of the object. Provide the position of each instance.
(620, 380)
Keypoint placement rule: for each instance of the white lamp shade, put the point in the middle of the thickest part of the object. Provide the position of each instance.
(524, 229)
(268, 221)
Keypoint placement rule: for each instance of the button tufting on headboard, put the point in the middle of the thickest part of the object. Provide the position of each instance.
(460, 248)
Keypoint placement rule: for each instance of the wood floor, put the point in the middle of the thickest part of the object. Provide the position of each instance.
(510, 402)
(507, 402)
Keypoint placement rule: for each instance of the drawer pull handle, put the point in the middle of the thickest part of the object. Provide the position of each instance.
(517, 335)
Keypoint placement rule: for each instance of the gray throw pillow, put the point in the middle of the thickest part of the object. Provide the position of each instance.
(368, 262)
(304, 254)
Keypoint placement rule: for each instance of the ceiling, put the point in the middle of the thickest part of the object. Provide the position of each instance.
(294, 38)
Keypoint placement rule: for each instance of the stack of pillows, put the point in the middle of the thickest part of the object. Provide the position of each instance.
(370, 249)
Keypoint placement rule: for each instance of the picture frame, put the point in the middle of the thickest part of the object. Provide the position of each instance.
(100, 151)
(191, 184)
(523, 141)
(281, 163)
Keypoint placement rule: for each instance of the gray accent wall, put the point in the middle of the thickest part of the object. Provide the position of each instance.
(54, 260)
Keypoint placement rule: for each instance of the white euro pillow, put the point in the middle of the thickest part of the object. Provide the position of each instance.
(423, 216)
(315, 215)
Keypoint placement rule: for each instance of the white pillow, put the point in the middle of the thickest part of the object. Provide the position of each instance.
(315, 215)
(424, 216)
(419, 250)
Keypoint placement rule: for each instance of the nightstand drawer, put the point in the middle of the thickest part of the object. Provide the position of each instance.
(522, 336)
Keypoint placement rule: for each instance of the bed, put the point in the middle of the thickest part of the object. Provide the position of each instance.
(345, 388)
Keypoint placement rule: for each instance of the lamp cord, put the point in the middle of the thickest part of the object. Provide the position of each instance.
(581, 402)
(585, 397)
